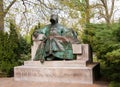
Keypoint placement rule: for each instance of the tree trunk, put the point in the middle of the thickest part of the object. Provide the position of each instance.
(1, 15)
(87, 13)
(108, 10)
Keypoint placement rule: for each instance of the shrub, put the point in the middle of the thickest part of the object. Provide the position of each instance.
(105, 42)
(114, 84)
(13, 51)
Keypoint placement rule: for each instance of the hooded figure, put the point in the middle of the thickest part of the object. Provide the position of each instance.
(57, 42)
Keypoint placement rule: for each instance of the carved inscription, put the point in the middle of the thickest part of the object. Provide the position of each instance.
(49, 73)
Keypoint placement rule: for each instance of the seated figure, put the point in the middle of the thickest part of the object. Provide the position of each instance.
(56, 42)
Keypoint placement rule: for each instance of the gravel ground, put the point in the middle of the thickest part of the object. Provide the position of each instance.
(10, 82)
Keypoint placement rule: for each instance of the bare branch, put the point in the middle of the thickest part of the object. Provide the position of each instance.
(112, 8)
(107, 14)
(97, 5)
(25, 14)
(24, 6)
(7, 9)
(104, 3)
(44, 4)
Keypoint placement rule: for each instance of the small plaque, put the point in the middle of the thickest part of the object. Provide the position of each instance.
(77, 48)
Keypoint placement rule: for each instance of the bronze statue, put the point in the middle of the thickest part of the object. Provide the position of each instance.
(56, 42)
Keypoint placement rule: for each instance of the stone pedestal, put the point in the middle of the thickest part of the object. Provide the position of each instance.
(68, 72)
(81, 70)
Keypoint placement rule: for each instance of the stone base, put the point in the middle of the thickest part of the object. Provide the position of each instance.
(68, 63)
(68, 74)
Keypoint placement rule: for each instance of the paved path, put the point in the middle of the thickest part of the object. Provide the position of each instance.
(10, 82)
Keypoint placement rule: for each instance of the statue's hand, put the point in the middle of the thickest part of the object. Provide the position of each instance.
(64, 39)
(40, 37)
(60, 38)
(35, 34)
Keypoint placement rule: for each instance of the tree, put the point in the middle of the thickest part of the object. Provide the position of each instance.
(106, 10)
(9, 51)
(38, 5)
(14, 50)
(80, 5)
(106, 46)
(1, 15)
(3, 12)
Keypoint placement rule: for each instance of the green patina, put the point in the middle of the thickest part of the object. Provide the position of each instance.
(55, 45)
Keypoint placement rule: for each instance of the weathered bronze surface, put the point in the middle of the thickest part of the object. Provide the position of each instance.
(56, 41)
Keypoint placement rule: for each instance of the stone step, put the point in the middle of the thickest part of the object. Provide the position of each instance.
(74, 63)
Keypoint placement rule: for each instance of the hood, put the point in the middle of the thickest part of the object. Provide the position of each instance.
(54, 19)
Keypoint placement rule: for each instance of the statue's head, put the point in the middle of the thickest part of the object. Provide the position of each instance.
(54, 19)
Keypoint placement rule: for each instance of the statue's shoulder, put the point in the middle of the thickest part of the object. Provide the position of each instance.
(43, 29)
(61, 27)
(46, 27)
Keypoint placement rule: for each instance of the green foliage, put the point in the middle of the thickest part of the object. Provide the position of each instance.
(114, 62)
(88, 33)
(106, 45)
(79, 5)
(8, 51)
(113, 56)
(116, 32)
(114, 84)
(24, 47)
(24, 50)
(13, 51)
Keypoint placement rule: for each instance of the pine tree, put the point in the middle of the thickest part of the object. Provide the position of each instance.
(8, 51)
